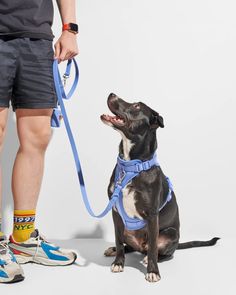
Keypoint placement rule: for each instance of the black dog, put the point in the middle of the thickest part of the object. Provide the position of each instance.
(143, 195)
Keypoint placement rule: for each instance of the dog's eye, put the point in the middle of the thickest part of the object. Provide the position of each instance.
(136, 106)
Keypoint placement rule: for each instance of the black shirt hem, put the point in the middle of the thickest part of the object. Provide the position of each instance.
(28, 34)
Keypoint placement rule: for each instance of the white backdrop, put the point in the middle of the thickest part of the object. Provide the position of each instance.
(179, 58)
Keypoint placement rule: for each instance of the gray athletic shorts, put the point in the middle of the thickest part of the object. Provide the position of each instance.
(26, 76)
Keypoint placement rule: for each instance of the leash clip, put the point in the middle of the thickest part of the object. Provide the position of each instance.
(65, 77)
(121, 177)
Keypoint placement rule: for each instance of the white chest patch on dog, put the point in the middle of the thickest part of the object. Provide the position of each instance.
(127, 145)
(129, 203)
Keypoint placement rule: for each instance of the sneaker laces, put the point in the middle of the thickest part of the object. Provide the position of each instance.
(39, 238)
(4, 250)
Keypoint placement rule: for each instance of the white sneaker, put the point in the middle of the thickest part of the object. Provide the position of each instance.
(36, 249)
(10, 270)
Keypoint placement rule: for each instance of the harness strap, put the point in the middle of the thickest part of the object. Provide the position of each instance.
(137, 166)
(169, 196)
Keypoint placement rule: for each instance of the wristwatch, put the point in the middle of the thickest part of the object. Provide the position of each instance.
(73, 28)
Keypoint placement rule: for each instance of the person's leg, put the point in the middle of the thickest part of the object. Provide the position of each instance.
(3, 123)
(34, 133)
(10, 270)
(33, 98)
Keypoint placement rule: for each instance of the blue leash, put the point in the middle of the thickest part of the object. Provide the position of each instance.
(125, 170)
(61, 95)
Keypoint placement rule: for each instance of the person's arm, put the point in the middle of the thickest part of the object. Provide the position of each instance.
(66, 46)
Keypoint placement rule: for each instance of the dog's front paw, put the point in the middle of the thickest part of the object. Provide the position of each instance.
(111, 251)
(152, 277)
(117, 267)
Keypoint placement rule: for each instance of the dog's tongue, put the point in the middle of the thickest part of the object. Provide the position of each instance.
(113, 118)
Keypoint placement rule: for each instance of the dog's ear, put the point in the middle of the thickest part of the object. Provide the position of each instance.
(156, 120)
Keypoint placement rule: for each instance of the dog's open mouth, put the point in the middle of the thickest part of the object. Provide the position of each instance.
(116, 120)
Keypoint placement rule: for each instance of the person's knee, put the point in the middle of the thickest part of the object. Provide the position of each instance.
(3, 123)
(2, 134)
(36, 139)
(33, 129)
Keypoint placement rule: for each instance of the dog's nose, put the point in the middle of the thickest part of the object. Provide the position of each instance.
(112, 95)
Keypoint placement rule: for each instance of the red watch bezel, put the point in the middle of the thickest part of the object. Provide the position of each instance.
(67, 27)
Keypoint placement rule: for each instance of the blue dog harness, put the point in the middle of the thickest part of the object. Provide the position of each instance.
(124, 173)
(125, 170)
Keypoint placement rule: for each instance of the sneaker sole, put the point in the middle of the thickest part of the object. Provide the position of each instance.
(44, 261)
(16, 279)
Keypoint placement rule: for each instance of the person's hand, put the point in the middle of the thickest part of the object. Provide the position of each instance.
(66, 46)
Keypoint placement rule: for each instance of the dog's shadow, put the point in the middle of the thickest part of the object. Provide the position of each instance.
(91, 250)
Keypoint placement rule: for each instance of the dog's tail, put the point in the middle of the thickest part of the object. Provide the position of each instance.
(193, 244)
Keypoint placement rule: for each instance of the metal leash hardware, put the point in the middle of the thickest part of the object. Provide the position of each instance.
(65, 77)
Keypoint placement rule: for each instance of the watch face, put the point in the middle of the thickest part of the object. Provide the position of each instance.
(74, 27)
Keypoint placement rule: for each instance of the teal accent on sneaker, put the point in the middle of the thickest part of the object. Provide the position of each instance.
(2, 262)
(3, 274)
(13, 258)
(47, 248)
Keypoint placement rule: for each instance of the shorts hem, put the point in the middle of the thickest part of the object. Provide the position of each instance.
(4, 105)
(34, 106)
